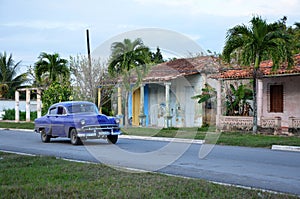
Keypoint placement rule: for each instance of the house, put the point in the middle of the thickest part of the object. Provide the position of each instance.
(164, 97)
(278, 94)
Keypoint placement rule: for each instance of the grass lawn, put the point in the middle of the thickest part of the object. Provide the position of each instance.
(48, 177)
(232, 138)
(17, 125)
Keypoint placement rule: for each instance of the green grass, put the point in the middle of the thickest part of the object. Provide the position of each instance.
(210, 136)
(17, 125)
(48, 177)
(250, 140)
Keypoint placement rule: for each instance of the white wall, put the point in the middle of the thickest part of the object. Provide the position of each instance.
(186, 111)
(10, 104)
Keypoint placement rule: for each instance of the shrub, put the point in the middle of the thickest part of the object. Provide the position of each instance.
(10, 115)
(56, 92)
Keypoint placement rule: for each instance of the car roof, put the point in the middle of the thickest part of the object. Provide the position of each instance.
(69, 103)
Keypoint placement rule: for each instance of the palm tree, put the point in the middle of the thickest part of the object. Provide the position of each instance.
(50, 68)
(8, 75)
(296, 34)
(260, 40)
(126, 57)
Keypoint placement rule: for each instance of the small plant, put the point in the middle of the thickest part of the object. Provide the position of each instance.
(237, 100)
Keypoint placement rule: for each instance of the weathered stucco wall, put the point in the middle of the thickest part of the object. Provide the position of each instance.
(186, 112)
(291, 98)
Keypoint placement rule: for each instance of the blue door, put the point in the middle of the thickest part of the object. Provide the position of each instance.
(57, 118)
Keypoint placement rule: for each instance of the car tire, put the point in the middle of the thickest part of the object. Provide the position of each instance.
(112, 139)
(44, 136)
(75, 140)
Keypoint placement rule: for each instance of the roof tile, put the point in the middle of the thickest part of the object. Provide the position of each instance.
(265, 70)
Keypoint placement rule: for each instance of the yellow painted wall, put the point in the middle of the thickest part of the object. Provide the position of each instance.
(136, 107)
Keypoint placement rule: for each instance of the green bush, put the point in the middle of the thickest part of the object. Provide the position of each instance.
(10, 115)
(56, 92)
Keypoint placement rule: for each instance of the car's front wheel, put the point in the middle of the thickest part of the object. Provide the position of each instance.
(112, 139)
(75, 140)
(44, 136)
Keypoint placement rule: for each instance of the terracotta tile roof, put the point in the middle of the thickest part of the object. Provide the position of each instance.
(265, 70)
(182, 67)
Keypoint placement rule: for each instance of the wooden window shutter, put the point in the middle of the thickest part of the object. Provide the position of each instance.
(276, 98)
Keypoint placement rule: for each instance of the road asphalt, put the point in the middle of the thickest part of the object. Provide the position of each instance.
(181, 140)
(242, 166)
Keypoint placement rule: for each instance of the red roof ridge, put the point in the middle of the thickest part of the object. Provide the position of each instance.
(266, 69)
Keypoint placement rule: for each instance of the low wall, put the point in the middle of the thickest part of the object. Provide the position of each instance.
(10, 104)
(242, 123)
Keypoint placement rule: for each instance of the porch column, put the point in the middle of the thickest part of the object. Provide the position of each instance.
(203, 109)
(27, 105)
(120, 105)
(259, 101)
(38, 103)
(17, 114)
(168, 117)
(142, 115)
(219, 104)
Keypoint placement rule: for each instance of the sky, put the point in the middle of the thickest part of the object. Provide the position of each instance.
(29, 27)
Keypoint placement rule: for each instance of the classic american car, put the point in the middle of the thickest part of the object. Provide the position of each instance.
(77, 120)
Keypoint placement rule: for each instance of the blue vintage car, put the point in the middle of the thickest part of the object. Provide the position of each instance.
(77, 120)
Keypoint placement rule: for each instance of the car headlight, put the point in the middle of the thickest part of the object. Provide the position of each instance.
(82, 122)
(117, 120)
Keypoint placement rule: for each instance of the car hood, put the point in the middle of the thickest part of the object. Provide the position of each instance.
(94, 119)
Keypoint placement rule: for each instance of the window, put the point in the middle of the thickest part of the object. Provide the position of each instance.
(53, 111)
(276, 98)
(61, 111)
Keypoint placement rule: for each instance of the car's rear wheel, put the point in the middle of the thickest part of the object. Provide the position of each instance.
(75, 140)
(112, 139)
(44, 137)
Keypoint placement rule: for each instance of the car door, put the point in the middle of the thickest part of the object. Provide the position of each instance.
(56, 116)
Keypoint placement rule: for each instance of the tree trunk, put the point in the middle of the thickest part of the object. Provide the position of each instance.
(256, 67)
(126, 109)
(254, 103)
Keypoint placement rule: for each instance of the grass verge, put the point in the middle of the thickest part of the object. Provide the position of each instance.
(17, 125)
(48, 177)
(231, 138)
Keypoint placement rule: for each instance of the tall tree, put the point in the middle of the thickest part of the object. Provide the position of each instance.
(259, 40)
(129, 58)
(50, 68)
(9, 79)
(87, 79)
(296, 38)
(157, 57)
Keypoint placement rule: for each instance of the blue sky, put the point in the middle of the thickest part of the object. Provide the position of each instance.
(30, 27)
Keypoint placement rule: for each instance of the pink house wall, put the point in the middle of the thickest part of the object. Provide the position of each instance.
(291, 98)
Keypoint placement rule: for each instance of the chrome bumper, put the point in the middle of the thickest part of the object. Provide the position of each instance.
(98, 131)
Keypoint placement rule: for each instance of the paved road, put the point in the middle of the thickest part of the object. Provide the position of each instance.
(253, 167)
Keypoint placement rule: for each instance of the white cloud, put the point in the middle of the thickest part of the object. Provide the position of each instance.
(230, 7)
(60, 26)
(39, 24)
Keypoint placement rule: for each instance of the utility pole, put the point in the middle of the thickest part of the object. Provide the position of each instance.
(89, 62)
(91, 72)
(88, 48)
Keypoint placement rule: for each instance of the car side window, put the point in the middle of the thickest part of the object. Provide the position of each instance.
(61, 110)
(53, 111)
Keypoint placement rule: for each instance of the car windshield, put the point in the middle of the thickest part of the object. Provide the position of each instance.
(82, 108)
